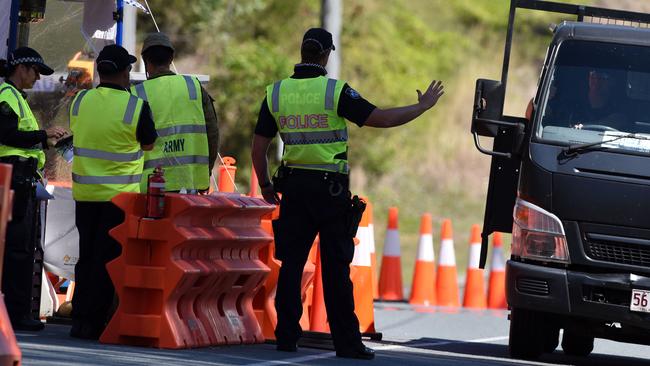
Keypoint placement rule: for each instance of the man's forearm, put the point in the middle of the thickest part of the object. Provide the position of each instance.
(392, 117)
(260, 163)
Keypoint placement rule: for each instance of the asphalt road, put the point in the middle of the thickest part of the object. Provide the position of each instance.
(412, 336)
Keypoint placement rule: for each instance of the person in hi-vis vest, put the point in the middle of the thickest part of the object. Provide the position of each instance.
(188, 135)
(21, 145)
(111, 128)
(309, 111)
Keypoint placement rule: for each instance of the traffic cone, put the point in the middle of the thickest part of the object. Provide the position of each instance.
(474, 282)
(497, 289)
(373, 254)
(423, 290)
(318, 316)
(447, 281)
(390, 278)
(361, 276)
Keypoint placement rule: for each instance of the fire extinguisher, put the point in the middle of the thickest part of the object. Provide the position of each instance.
(156, 194)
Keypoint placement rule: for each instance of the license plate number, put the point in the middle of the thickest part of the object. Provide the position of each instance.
(640, 301)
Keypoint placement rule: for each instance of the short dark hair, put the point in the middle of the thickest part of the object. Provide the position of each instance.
(311, 52)
(158, 55)
(6, 69)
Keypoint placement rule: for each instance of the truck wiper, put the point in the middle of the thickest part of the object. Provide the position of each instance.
(574, 150)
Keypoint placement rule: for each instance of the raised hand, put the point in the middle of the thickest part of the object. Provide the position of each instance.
(431, 95)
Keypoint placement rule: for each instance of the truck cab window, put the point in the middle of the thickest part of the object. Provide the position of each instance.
(597, 91)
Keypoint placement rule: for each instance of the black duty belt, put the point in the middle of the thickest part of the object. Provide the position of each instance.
(321, 174)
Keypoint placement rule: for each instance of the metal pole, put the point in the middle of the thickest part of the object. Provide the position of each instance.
(129, 28)
(506, 53)
(13, 26)
(120, 22)
(331, 19)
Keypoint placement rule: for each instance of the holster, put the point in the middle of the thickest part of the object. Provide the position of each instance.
(279, 178)
(357, 207)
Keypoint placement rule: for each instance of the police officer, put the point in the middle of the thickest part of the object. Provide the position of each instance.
(185, 120)
(309, 111)
(111, 127)
(22, 144)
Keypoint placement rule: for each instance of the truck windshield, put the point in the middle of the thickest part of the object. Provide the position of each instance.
(598, 91)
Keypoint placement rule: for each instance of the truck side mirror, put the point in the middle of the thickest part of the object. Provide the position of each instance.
(488, 119)
(488, 106)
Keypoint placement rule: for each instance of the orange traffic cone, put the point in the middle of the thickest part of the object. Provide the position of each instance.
(318, 318)
(447, 281)
(423, 291)
(373, 254)
(497, 289)
(390, 278)
(361, 276)
(474, 283)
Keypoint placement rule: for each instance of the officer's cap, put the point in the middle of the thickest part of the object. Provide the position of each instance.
(28, 56)
(321, 37)
(115, 56)
(157, 39)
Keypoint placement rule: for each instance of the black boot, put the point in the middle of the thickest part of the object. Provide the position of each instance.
(361, 352)
(28, 324)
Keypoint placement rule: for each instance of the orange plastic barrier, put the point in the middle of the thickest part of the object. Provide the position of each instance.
(497, 289)
(447, 280)
(390, 278)
(10, 354)
(423, 290)
(188, 279)
(474, 282)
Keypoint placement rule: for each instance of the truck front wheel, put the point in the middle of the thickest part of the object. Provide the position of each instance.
(576, 344)
(529, 336)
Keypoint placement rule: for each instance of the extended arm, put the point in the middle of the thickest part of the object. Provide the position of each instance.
(260, 163)
(392, 117)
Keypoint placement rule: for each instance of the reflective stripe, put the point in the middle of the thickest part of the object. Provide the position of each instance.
(329, 94)
(20, 105)
(174, 130)
(37, 147)
(275, 98)
(139, 90)
(173, 161)
(314, 137)
(329, 167)
(116, 179)
(191, 88)
(99, 154)
(77, 102)
(130, 109)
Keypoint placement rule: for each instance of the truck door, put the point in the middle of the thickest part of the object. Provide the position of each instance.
(507, 132)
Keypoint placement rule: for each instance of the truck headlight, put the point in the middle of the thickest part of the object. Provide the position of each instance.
(538, 234)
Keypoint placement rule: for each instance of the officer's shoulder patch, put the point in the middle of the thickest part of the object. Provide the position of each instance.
(353, 93)
(5, 109)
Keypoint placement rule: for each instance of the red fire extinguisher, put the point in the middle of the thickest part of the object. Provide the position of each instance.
(156, 194)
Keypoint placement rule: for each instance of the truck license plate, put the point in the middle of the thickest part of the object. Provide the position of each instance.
(640, 301)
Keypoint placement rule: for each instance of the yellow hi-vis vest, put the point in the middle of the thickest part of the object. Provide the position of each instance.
(26, 122)
(107, 155)
(182, 144)
(314, 135)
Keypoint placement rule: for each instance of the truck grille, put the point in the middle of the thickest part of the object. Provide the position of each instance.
(632, 254)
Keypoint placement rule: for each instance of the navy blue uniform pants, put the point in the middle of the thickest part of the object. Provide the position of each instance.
(315, 203)
(20, 245)
(94, 291)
